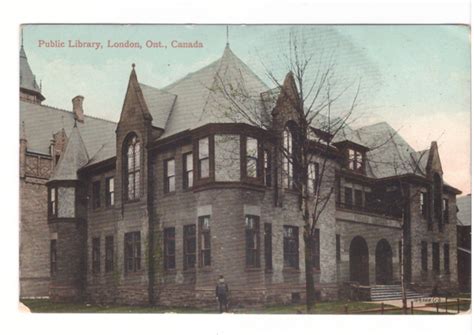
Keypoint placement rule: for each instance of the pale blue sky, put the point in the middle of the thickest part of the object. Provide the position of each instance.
(417, 78)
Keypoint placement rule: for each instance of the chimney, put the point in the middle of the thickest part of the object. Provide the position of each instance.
(77, 108)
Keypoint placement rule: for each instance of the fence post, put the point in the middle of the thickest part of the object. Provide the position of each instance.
(458, 306)
(382, 308)
(411, 303)
(345, 309)
(446, 304)
(437, 307)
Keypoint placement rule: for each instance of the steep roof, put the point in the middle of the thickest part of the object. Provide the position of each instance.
(464, 213)
(41, 122)
(159, 103)
(200, 98)
(27, 78)
(74, 157)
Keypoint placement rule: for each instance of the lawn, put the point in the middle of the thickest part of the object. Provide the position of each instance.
(337, 307)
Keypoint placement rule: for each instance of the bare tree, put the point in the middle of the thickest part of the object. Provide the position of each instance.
(309, 92)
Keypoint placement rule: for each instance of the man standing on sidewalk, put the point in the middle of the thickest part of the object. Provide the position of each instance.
(222, 290)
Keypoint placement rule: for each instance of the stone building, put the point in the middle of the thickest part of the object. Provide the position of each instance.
(181, 190)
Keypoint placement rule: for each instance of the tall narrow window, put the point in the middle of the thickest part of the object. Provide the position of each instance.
(287, 158)
(313, 175)
(203, 157)
(188, 170)
(338, 247)
(348, 197)
(267, 168)
(268, 246)
(204, 241)
(96, 194)
(109, 253)
(132, 179)
(96, 255)
(53, 257)
(355, 160)
(358, 199)
(189, 246)
(251, 148)
(446, 257)
(316, 250)
(290, 247)
(170, 248)
(424, 256)
(169, 176)
(132, 252)
(424, 205)
(53, 202)
(435, 257)
(446, 210)
(252, 241)
(109, 190)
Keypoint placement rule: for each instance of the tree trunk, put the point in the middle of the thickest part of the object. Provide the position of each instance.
(310, 291)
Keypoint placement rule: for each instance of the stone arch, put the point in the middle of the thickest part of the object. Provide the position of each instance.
(359, 260)
(383, 263)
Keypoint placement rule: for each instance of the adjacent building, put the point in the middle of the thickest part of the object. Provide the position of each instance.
(182, 189)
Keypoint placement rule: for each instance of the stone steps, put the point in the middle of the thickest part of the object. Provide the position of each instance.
(392, 292)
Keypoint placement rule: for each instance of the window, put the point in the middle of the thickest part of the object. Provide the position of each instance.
(252, 242)
(355, 162)
(96, 255)
(53, 202)
(132, 175)
(287, 158)
(169, 176)
(316, 250)
(424, 205)
(188, 170)
(109, 253)
(290, 247)
(132, 252)
(204, 241)
(446, 257)
(268, 246)
(251, 148)
(348, 197)
(189, 246)
(96, 194)
(446, 210)
(204, 157)
(338, 247)
(435, 257)
(313, 175)
(424, 256)
(53, 257)
(109, 192)
(170, 248)
(358, 198)
(267, 167)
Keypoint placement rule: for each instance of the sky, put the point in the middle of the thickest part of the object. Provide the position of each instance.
(415, 77)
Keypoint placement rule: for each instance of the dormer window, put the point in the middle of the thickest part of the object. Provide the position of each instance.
(132, 167)
(355, 160)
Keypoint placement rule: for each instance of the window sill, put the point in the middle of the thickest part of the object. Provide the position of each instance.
(252, 269)
(131, 201)
(268, 270)
(189, 271)
(291, 270)
(206, 268)
(168, 194)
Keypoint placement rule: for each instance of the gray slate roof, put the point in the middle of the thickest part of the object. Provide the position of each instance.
(75, 156)
(27, 78)
(42, 121)
(464, 213)
(159, 103)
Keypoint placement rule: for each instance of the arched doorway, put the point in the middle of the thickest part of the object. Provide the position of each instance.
(359, 261)
(383, 263)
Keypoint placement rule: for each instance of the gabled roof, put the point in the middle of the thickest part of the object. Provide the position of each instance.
(41, 122)
(200, 98)
(74, 157)
(464, 213)
(27, 78)
(159, 103)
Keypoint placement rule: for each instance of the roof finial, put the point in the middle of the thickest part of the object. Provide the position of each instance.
(21, 33)
(227, 36)
(133, 65)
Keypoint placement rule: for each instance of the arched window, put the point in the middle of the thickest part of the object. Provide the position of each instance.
(437, 197)
(132, 168)
(287, 158)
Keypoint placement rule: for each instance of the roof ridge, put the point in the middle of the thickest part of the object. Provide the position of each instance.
(189, 74)
(66, 111)
(156, 88)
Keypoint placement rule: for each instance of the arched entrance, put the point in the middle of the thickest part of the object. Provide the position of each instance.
(359, 261)
(383, 263)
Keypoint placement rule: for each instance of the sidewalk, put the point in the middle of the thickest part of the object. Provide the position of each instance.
(420, 305)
